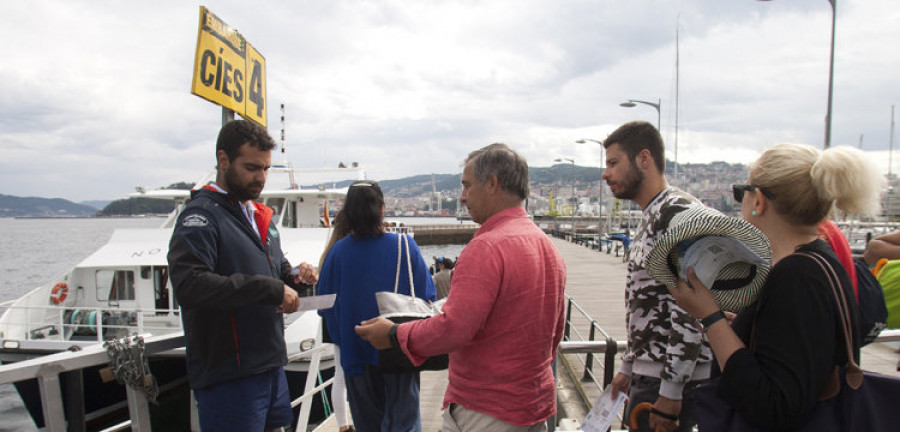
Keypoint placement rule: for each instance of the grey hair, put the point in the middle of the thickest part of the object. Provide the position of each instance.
(809, 183)
(510, 168)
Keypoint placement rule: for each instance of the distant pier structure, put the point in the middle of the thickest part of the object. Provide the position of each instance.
(427, 235)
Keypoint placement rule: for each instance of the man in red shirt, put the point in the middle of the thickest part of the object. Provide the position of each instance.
(504, 318)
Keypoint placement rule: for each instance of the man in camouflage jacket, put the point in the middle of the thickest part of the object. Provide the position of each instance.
(667, 354)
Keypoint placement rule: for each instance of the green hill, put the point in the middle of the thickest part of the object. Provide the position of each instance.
(13, 206)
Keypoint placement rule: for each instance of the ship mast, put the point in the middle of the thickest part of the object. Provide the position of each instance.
(289, 165)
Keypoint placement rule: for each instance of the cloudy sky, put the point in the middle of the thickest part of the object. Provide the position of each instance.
(95, 95)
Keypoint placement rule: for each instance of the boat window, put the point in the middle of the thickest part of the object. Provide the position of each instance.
(277, 205)
(290, 215)
(115, 285)
(161, 287)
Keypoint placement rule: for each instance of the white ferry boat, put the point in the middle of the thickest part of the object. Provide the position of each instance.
(123, 289)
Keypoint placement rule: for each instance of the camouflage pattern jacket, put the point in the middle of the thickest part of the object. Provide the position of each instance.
(664, 341)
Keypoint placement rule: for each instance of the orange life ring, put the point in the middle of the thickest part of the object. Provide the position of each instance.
(59, 293)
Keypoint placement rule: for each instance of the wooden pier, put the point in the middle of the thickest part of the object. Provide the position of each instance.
(596, 281)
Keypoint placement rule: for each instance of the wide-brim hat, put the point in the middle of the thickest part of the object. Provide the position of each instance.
(738, 283)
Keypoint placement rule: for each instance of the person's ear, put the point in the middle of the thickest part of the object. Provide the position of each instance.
(492, 184)
(644, 159)
(222, 160)
(760, 203)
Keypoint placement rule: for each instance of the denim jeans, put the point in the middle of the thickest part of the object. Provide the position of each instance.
(384, 402)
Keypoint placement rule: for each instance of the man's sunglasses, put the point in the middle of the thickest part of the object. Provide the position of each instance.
(739, 190)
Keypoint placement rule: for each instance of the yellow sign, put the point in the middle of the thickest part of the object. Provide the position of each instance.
(228, 71)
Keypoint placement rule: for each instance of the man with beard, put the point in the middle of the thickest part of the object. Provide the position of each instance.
(231, 279)
(667, 354)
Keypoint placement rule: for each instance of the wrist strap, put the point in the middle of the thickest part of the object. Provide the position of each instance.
(667, 416)
(712, 319)
(392, 334)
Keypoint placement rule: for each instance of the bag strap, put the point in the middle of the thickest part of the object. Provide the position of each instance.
(402, 240)
(854, 373)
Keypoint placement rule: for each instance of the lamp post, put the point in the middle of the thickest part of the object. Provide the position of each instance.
(572, 161)
(600, 197)
(833, 4)
(602, 166)
(631, 103)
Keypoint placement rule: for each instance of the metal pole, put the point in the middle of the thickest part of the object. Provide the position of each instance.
(227, 115)
(830, 74)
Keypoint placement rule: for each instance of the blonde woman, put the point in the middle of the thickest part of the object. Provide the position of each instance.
(775, 381)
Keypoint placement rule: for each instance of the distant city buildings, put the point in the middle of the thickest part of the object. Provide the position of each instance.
(566, 191)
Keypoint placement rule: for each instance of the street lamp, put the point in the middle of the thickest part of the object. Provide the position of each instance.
(602, 164)
(573, 179)
(587, 140)
(600, 197)
(833, 4)
(631, 103)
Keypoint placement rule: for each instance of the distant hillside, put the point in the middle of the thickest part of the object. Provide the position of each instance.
(710, 182)
(96, 204)
(13, 206)
(138, 205)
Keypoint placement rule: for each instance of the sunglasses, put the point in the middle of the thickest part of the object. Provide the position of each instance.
(739, 189)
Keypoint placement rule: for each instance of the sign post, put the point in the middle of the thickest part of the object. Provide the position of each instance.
(228, 71)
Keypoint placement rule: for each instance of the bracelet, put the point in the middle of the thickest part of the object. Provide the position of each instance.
(392, 335)
(712, 319)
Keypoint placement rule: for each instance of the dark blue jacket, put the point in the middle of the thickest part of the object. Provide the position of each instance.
(229, 282)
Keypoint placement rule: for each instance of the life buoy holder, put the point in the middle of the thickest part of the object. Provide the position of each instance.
(59, 293)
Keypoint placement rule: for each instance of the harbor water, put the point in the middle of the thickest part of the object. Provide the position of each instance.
(35, 251)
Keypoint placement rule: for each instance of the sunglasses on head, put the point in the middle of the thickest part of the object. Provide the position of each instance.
(739, 189)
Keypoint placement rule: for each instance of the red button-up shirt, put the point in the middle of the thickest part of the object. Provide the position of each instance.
(501, 323)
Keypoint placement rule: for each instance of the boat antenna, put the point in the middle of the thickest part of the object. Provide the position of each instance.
(282, 130)
(289, 165)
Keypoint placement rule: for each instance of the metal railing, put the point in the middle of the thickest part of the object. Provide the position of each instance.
(48, 370)
(83, 325)
(596, 341)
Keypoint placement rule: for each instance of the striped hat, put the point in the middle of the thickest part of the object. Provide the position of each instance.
(737, 283)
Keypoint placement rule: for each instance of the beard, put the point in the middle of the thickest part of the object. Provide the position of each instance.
(241, 192)
(631, 184)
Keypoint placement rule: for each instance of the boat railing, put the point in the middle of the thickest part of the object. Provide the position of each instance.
(86, 324)
(400, 229)
(48, 370)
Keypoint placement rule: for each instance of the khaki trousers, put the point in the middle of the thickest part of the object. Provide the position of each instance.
(459, 419)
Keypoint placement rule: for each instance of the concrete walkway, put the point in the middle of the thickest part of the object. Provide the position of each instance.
(596, 281)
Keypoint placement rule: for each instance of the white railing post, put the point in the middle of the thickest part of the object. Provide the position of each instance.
(51, 397)
(311, 374)
(138, 409)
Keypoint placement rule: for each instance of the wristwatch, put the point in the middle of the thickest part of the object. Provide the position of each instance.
(392, 335)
